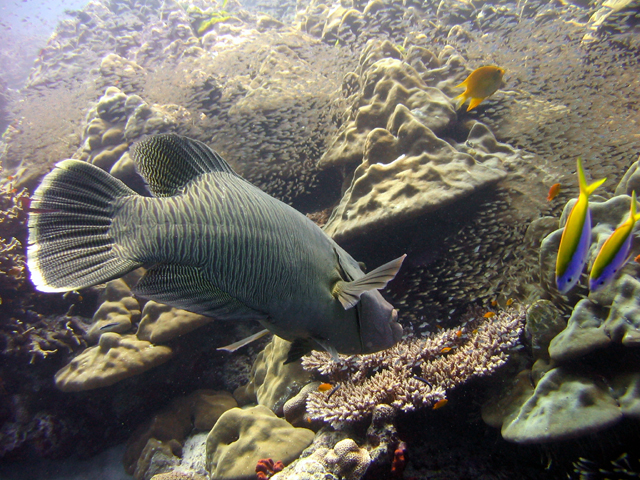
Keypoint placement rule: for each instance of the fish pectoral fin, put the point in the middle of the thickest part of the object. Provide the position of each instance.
(329, 348)
(245, 341)
(299, 348)
(475, 101)
(168, 162)
(185, 287)
(349, 292)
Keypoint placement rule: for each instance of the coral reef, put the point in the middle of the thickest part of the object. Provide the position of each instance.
(585, 374)
(414, 373)
(115, 358)
(152, 448)
(242, 437)
(279, 95)
(267, 467)
(272, 382)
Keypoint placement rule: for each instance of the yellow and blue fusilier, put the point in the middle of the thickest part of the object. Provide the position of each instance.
(576, 237)
(615, 251)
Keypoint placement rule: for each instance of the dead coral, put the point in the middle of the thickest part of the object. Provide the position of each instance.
(416, 372)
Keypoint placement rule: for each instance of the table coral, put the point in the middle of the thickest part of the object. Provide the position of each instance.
(414, 373)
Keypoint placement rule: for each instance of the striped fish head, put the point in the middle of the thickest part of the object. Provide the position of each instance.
(379, 327)
(370, 326)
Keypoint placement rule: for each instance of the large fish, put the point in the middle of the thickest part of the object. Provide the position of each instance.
(576, 236)
(213, 243)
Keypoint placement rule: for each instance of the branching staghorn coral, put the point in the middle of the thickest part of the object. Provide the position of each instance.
(417, 372)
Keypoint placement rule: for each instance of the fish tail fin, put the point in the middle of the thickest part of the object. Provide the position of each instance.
(461, 99)
(584, 188)
(475, 101)
(70, 245)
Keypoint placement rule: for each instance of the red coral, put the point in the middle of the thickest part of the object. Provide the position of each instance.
(399, 460)
(266, 468)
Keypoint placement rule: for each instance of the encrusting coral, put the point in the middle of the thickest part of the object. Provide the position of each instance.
(414, 373)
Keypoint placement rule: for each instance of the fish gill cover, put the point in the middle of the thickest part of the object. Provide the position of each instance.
(346, 112)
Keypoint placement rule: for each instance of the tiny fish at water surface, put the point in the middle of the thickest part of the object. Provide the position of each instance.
(554, 191)
(213, 243)
(479, 85)
(614, 252)
(576, 236)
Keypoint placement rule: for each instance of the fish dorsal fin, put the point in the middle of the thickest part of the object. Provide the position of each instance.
(349, 292)
(168, 162)
(185, 287)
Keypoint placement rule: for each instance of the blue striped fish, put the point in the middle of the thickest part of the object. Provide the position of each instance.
(615, 251)
(213, 243)
(576, 236)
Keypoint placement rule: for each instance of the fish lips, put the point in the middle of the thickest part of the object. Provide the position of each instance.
(379, 327)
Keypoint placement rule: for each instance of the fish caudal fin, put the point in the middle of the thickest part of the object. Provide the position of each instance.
(461, 99)
(475, 101)
(70, 246)
(584, 188)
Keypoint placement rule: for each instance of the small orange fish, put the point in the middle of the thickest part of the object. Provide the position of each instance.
(489, 314)
(494, 302)
(440, 403)
(458, 333)
(510, 301)
(445, 350)
(480, 84)
(637, 259)
(324, 387)
(553, 191)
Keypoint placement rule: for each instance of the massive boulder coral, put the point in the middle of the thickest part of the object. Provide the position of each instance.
(241, 437)
(115, 358)
(154, 445)
(403, 169)
(417, 174)
(272, 382)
